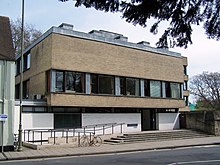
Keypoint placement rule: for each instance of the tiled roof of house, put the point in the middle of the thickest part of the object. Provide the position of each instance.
(6, 46)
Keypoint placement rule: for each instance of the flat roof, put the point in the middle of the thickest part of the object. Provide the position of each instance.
(104, 37)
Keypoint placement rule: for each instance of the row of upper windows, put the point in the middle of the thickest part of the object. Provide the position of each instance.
(76, 82)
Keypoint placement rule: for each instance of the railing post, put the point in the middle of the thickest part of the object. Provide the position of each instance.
(103, 130)
(51, 133)
(33, 137)
(24, 134)
(84, 130)
(28, 135)
(94, 130)
(54, 138)
(41, 137)
(112, 129)
(67, 136)
(121, 128)
(78, 139)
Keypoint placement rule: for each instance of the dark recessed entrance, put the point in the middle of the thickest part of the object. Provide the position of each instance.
(148, 120)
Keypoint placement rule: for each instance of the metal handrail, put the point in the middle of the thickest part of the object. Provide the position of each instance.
(83, 130)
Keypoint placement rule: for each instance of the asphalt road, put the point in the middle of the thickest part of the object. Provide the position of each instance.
(206, 155)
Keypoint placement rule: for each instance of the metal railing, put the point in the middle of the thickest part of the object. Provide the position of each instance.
(41, 136)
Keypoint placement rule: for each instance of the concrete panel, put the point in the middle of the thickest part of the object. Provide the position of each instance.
(168, 121)
(38, 121)
(104, 118)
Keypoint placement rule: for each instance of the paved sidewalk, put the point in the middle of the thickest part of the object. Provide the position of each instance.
(68, 150)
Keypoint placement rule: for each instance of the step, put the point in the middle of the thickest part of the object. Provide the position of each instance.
(157, 136)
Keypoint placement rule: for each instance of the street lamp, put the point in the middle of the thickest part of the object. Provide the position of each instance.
(21, 81)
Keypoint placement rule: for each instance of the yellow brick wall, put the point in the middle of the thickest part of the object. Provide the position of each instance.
(111, 101)
(91, 56)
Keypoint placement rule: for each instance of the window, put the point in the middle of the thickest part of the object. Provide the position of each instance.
(167, 89)
(102, 84)
(146, 88)
(155, 89)
(106, 84)
(17, 91)
(18, 66)
(27, 59)
(122, 86)
(66, 81)
(186, 98)
(59, 81)
(67, 121)
(185, 85)
(175, 90)
(185, 69)
(132, 87)
(94, 83)
(26, 87)
(74, 82)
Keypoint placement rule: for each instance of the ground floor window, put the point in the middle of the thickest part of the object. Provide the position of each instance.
(67, 121)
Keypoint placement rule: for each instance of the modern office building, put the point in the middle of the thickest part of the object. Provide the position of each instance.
(7, 85)
(99, 77)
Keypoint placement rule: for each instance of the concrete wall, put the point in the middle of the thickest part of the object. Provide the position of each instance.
(7, 85)
(127, 118)
(168, 121)
(207, 121)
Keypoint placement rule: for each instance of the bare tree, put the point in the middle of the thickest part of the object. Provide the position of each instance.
(30, 34)
(206, 88)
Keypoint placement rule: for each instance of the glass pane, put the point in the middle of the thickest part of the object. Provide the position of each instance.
(122, 86)
(106, 84)
(168, 90)
(94, 83)
(59, 81)
(70, 81)
(146, 88)
(79, 82)
(175, 90)
(132, 87)
(155, 89)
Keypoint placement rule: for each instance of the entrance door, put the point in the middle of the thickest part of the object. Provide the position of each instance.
(182, 119)
(148, 120)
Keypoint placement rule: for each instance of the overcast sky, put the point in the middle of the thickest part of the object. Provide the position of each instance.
(203, 54)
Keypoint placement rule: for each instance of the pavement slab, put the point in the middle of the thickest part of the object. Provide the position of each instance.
(68, 150)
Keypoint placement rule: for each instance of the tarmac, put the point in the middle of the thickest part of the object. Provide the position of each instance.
(69, 150)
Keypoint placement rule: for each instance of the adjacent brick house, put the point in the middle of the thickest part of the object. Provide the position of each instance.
(100, 77)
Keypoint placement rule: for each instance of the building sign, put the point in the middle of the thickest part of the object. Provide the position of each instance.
(3, 117)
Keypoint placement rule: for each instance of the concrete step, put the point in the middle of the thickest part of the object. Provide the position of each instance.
(156, 136)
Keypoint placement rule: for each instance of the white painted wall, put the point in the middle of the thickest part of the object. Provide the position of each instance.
(104, 118)
(33, 120)
(168, 121)
(38, 121)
